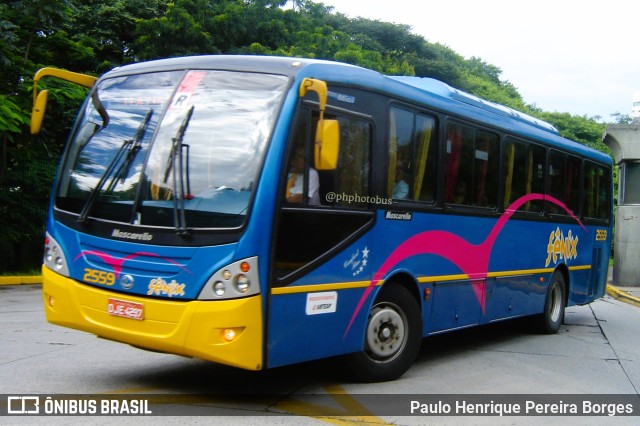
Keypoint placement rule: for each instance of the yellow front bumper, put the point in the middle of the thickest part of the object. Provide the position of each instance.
(193, 328)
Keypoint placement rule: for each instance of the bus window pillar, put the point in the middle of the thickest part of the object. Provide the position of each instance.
(624, 141)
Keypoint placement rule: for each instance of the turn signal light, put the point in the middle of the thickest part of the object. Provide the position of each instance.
(427, 293)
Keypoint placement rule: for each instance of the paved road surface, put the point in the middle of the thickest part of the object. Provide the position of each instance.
(596, 352)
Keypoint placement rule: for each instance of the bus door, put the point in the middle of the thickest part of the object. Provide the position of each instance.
(599, 269)
(597, 209)
(320, 257)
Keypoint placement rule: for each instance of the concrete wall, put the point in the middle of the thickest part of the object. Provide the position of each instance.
(626, 262)
(624, 141)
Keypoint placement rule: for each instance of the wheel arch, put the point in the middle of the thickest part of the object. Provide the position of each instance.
(406, 280)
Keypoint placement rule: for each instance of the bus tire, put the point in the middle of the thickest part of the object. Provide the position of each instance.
(553, 315)
(392, 337)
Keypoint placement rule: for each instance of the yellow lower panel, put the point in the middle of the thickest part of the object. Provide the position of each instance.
(193, 328)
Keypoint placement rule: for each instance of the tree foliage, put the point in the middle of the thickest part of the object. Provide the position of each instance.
(93, 36)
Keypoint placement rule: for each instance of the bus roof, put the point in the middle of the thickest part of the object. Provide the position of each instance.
(425, 91)
(443, 89)
(269, 64)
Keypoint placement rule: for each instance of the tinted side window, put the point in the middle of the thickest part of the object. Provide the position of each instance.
(524, 166)
(413, 156)
(485, 181)
(471, 166)
(573, 185)
(597, 192)
(350, 181)
(556, 181)
(563, 182)
(459, 148)
(331, 206)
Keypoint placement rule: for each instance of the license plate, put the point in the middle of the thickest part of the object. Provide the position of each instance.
(125, 309)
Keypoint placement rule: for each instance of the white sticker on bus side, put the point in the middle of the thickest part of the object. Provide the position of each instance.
(321, 303)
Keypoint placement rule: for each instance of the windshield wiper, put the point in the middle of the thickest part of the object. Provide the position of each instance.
(97, 103)
(177, 188)
(131, 146)
(90, 128)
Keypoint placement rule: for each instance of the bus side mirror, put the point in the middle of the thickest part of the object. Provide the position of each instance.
(327, 145)
(40, 98)
(37, 112)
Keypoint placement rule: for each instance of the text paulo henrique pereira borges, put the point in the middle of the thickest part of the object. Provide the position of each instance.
(526, 408)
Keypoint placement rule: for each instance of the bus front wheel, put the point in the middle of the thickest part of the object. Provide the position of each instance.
(553, 315)
(392, 337)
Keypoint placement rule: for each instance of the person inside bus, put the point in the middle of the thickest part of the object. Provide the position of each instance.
(295, 181)
(400, 187)
(462, 193)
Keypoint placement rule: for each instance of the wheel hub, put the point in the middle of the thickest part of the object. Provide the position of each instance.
(386, 333)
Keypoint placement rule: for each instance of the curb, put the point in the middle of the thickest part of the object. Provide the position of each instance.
(621, 295)
(19, 280)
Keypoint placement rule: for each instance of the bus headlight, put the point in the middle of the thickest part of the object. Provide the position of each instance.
(243, 283)
(54, 256)
(59, 263)
(219, 288)
(233, 281)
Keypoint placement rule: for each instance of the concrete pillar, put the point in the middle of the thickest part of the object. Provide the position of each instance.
(624, 141)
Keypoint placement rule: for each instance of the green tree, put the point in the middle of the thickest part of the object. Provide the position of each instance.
(181, 30)
(109, 29)
(619, 118)
(585, 130)
(93, 36)
(33, 36)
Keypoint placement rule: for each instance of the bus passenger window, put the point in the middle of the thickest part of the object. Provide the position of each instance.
(523, 174)
(301, 180)
(400, 185)
(412, 156)
(303, 183)
(472, 167)
(556, 181)
(597, 192)
(348, 185)
(459, 147)
(563, 183)
(572, 185)
(486, 169)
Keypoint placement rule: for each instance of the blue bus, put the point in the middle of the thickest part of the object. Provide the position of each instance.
(264, 211)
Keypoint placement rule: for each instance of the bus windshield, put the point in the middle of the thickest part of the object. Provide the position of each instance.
(171, 149)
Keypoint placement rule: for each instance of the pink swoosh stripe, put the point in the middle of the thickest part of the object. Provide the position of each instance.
(470, 258)
(117, 263)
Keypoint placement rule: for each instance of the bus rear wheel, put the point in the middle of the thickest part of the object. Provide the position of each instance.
(392, 337)
(553, 315)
